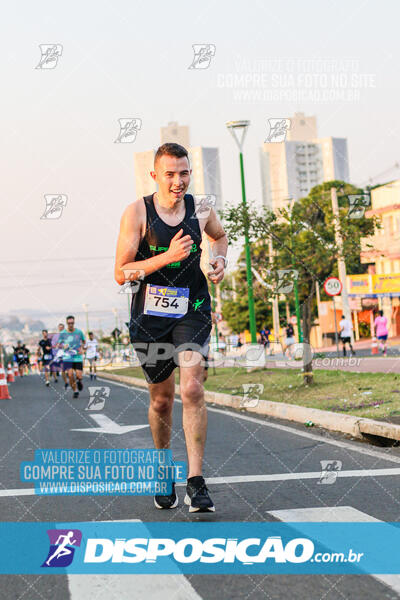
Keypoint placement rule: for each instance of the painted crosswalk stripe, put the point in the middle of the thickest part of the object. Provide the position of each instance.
(333, 514)
(129, 587)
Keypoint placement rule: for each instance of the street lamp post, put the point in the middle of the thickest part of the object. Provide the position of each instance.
(296, 289)
(85, 308)
(240, 127)
(341, 261)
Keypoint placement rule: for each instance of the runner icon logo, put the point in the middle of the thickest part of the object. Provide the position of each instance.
(62, 547)
(98, 397)
(198, 303)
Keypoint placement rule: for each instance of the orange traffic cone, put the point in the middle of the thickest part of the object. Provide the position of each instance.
(374, 346)
(10, 374)
(4, 395)
(16, 372)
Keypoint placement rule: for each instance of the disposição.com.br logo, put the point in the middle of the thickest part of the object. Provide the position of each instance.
(62, 547)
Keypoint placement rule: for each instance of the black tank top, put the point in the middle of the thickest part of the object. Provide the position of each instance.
(185, 273)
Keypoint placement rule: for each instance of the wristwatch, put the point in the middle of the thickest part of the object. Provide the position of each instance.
(224, 259)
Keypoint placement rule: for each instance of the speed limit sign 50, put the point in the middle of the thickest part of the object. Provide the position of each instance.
(333, 286)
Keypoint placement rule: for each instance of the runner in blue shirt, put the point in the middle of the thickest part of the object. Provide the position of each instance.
(72, 341)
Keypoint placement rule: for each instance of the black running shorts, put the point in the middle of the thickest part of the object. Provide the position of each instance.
(189, 333)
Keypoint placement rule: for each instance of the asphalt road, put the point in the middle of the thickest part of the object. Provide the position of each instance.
(237, 446)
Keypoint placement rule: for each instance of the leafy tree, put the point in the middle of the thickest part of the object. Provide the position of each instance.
(303, 240)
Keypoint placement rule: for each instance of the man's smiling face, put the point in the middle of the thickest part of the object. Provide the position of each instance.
(173, 177)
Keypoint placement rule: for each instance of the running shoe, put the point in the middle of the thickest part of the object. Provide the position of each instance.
(47, 383)
(167, 500)
(65, 385)
(80, 385)
(197, 497)
(76, 395)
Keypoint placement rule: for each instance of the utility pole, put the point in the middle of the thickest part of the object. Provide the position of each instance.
(275, 305)
(296, 289)
(85, 308)
(341, 261)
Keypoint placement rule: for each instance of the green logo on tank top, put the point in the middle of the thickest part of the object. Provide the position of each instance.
(164, 249)
(174, 265)
(198, 303)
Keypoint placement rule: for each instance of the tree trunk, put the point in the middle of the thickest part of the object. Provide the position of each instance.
(308, 377)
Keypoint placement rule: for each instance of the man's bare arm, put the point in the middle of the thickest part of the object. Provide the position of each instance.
(219, 245)
(129, 269)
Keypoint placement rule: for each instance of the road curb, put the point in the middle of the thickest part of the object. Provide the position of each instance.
(357, 427)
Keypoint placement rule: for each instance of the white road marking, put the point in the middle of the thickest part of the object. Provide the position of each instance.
(107, 425)
(129, 587)
(327, 514)
(253, 478)
(313, 436)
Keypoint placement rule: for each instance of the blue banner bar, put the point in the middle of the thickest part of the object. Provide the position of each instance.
(191, 548)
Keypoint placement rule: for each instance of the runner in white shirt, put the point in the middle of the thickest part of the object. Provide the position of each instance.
(91, 354)
(345, 334)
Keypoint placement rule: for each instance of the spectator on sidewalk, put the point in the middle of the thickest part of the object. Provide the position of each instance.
(346, 328)
(264, 338)
(381, 331)
(289, 340)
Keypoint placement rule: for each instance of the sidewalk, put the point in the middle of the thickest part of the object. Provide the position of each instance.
(365, 343)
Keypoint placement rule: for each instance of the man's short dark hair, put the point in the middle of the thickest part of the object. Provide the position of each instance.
(170, 150)
(70, 317)
(90, 332)
(44, 330)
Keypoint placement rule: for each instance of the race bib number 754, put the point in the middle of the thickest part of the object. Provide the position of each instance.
(166, 301)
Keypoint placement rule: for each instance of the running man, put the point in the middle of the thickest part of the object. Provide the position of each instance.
(62, 549)
(381, 331)
(91, 354)
(346, 328)
(72, 341)
(159, 241)
(19, 355)
(46, 354)
(56, 365)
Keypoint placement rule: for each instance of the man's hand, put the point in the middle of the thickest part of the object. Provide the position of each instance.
(179, 247)
(219, 270)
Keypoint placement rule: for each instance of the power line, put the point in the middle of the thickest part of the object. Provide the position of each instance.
(73, 258)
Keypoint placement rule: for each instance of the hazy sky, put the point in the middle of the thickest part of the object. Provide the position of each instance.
(130, 59)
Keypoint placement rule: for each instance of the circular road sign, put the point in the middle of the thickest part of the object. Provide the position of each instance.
(333, 286)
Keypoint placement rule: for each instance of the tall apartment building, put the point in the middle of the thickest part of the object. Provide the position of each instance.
(179, 134)
(289, 169)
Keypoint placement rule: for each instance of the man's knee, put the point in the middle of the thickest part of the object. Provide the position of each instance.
(161, 402)
(192, 390)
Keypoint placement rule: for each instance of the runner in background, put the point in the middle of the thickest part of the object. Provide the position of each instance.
(57, 364)
(346, 328)
(19, 354)
(72, 341)
(381, 331)
(47, 355)
(92, 354)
